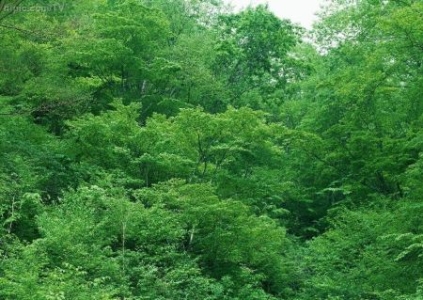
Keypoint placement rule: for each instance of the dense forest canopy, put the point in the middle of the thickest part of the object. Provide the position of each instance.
(174, 149)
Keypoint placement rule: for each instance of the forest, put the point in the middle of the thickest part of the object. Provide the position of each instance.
(177, 149)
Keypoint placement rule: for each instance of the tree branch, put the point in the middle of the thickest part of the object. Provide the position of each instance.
(12, 10)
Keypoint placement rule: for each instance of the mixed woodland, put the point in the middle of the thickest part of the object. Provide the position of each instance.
(177, 149)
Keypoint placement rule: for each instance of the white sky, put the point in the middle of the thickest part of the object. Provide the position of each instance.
(298, 11)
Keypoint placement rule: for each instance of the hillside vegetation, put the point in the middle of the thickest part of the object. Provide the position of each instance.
(173, 149)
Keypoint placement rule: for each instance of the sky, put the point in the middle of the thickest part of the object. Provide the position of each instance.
(298, 11)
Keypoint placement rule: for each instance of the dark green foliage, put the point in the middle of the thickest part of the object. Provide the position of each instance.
(177, 150)
(253, 57)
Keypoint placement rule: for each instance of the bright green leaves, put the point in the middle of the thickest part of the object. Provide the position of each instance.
(253, 55)
(236, 151)
(118, 49)
(163, 246)
(227, 238)
(137, 30)
(134, 24)
(361, 107)
(232, 150)
(152, 187)
(107, 142)
(364, 95)
(30, 163)
(233, 155)
(13, 66)
(374, 251)
(259, 37)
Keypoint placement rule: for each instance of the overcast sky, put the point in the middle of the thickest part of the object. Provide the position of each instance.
(298, 11)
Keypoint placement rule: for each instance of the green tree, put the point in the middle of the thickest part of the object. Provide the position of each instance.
(253, 56)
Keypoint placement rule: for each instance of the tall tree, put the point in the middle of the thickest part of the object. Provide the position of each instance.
(253, 56)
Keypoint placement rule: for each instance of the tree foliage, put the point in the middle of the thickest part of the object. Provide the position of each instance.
(179, 150)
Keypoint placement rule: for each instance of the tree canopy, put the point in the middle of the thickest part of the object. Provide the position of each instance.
(180, 150)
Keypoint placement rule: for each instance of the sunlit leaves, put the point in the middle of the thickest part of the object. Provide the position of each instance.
(252, 56)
